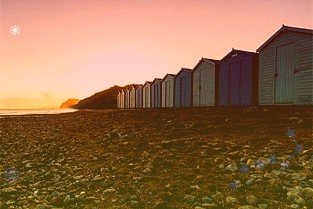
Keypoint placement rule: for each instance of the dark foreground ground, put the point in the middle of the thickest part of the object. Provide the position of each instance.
(167, 158)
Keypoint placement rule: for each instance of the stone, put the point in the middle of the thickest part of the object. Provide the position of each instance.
(147, 170)
(295, 197)
(67, 199)
(207, 200)
(232, 167)
(297, 176)
(251, 199)
(109, 191)
(8, 190)
(263, 206)
(247, 207)
(231, 200)
(218, 198)
(190, 198)
(307, 192)
(210, 205)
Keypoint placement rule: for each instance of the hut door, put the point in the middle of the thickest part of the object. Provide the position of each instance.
(182, 92)
(284, 74)
(234, 84)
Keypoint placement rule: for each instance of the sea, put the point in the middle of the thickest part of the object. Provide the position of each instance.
(4, 112)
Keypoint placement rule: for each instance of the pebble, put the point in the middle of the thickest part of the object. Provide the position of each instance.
(190, 198)
(109, 191)
(218, 198)
(247, 207)
(295, 197)
(67, 199)
(308, 193)
(232, 167)
(263, 206)
(207, 200)
(147, 170)
(231, 200)
(8, 190)
(251, 199)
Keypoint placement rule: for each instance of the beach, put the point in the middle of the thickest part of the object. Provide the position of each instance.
(208, 157)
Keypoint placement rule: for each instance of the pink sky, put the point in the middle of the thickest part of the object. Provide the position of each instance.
(75, 48)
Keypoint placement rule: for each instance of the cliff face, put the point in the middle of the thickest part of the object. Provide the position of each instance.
(69, 103)
(102, 100)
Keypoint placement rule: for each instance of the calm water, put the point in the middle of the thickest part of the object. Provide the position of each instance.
(34, 111)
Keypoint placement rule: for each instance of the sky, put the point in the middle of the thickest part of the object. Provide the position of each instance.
(75, 48)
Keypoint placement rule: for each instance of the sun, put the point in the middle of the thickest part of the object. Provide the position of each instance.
(15, 30)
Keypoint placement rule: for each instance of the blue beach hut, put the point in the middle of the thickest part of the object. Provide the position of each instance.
(238, 79)
(183, 88)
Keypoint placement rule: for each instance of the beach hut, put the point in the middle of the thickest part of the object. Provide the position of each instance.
(183, 88)
(238, 79)
(127, 98)
(118, 100)
(286, 67)
(167, 84)
(203, 85)
(122, 99)
(139, 96)
(146, 95)
(132, 96)
(156, 93)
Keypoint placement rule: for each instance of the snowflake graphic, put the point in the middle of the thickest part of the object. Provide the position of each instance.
(15, 30)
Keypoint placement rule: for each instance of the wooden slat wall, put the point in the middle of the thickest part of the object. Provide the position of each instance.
(303, 76)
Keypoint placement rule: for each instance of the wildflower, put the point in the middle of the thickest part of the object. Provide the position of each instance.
(11, 174)
(272, 159)
(244, 168)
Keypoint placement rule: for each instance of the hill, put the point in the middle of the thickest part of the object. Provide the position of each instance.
(69, 103)
(102, 100)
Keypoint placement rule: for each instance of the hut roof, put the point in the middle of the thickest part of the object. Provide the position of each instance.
(282, 30)
(237, 51)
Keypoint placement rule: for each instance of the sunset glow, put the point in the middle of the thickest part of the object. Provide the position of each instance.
(75, 48)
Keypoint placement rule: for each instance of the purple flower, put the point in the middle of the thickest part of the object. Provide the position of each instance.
(234, 185)
(299, 147)
(244, 168)
(259, 164)
(11, 174)
(273, 159)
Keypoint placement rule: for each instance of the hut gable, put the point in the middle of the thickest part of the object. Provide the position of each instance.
(286, 67)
